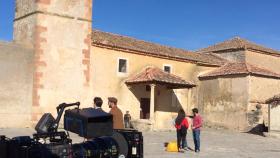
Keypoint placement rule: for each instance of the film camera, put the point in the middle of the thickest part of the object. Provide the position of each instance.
(95, 125)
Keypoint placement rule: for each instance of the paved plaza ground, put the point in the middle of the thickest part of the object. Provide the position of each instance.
(215, 144)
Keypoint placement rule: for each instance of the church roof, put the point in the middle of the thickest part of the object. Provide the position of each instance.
(238, 43)
(120, 42)
(157, 76)
(239, 69)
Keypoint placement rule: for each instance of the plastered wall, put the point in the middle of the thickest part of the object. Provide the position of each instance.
(269, 62)
(16, 80)
(223, 102)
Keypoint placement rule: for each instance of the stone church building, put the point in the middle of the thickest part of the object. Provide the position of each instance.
(57, 57)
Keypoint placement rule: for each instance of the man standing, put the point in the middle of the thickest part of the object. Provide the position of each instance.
(116, 112)
(197, 123)
(127, 119)
(97, 103)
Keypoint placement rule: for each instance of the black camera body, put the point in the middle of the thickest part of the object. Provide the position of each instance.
(95, 125)
(88, 122)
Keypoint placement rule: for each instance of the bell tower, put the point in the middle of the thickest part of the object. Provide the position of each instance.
(60, 33)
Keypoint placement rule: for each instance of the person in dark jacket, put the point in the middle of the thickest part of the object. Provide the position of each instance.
(181, 125)
(97, 103)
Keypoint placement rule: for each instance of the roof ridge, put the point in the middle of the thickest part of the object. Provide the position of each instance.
(248, 67)
(133, 45)
(246, 43)
(216, 56)
(212, 45)
(233, 68)
(237, 43)
(261, 68)
(136, 39)
(158, 75)
(111, 33)
(149, 73)
(242, 42)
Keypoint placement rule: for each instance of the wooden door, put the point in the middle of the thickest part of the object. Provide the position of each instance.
(145, 106)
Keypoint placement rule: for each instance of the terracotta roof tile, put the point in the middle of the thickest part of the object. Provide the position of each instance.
(156, 75)
(127, 43)
(239, 68)
(274, 99)
(238, 43)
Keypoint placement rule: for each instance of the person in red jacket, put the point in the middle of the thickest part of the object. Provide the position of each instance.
(181, 125)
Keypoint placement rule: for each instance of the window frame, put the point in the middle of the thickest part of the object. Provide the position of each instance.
(167, 65)
(118, 64)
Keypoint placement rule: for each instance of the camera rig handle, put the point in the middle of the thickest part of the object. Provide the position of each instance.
(60, 109)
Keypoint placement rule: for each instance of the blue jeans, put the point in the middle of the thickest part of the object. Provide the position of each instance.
(186, 143)
(196, 139)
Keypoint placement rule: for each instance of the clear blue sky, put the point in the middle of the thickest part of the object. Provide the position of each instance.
(188, 24)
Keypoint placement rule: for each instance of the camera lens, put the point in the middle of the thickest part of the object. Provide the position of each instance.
(101, 147)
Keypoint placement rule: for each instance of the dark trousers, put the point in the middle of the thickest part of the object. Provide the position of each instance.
(196, 139)
(181, 139)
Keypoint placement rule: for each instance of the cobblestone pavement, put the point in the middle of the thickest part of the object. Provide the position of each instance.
(215, 144)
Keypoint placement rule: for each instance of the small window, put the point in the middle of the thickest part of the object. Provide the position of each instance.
(167, 69)
(122, 65)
